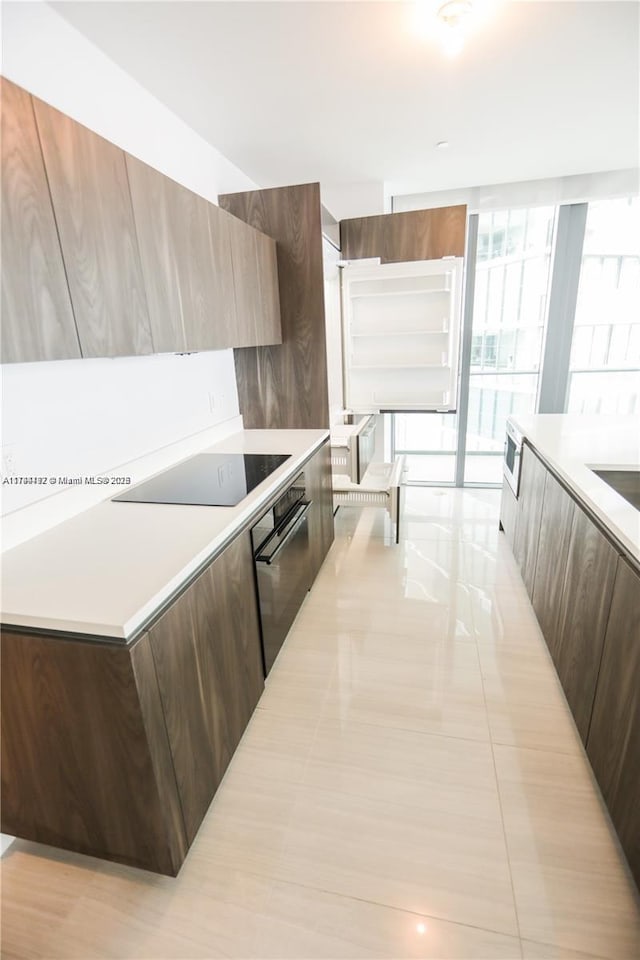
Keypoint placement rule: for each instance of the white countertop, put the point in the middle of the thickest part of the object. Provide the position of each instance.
(571, 444)
(106, 571)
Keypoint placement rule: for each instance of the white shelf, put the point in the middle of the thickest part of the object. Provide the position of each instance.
(413, 367)
(400, 293)
(402, 333)
(399, 366)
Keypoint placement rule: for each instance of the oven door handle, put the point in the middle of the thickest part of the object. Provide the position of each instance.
(286, 533)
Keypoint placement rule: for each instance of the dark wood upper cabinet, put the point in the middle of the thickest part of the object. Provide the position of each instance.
(613, 745)
(246, 285)
(185, 248)
(400, 237)
(270, 330)
(286, 386)
(583, 612)
(553, 547)
(90, 193)
(362, 237)
(37, 318)
(207, 654)
(530, 497)
(209, 276)
(226, 318)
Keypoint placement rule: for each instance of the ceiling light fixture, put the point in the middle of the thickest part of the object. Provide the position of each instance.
(454, 17)
(442, 144)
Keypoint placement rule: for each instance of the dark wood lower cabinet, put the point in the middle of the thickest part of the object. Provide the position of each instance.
(86, 762)
(576, 647)
(553, 547)
(587, 600)
(206, 650)
(117, 751)
(530, 496)
(613, 745)
(319, 489)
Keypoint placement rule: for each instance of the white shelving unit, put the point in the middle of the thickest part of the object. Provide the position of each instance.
(401, 327)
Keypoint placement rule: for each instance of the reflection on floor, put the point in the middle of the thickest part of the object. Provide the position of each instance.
(411, 785)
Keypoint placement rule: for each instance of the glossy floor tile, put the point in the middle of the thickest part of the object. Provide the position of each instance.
(410, 785)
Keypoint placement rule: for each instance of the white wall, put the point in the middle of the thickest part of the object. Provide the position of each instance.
(364, 199)
(88, 416)
(43, 53)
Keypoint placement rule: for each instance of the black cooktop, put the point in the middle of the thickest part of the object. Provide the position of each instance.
(207, 480)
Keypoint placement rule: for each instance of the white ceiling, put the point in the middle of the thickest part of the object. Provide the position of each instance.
(352, 92)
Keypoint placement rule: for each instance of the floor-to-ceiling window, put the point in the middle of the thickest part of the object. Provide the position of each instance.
(509, 312)
(514, 265)
(604, 370)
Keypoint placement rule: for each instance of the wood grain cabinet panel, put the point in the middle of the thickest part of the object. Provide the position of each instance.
(270, 328)
(402, 237)
(613, 745)
(319, 489)
(157, 232)
(85, 754)
(553, 548)
(186, 257)
(226, 318)
(286, 385)
(206, 649)
(246, 284)
(362, 237)
(90, 192)
(530, 496)
(37, 317)
(584, 609)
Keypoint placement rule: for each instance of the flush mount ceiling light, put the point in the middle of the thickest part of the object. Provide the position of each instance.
(454, 18)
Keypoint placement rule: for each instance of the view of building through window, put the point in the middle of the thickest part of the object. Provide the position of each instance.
(604, 372)
(509, 312)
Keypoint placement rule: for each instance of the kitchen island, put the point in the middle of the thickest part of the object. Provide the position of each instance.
(577, 542)
(132, 661)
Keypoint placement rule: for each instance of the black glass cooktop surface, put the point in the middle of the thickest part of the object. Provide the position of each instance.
(207, 480)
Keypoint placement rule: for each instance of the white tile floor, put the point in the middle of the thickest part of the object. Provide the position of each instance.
(411, 785)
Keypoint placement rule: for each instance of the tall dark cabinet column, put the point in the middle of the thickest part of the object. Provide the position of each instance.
(285, 386)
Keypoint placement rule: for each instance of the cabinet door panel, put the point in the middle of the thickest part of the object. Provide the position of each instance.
(185, 248)
(553, 548)
(270, 330)
(584, 608)
(154, 219)
(244, 255)
(613, 746)
(37, 318)
(85, 757)
(206, 649)
(222, 276)
(90, 192)
(319, 489)
(530, 497)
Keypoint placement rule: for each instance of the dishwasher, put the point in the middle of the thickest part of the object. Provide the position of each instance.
(280, 541)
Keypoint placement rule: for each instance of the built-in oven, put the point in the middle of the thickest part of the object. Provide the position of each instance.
(280, 541)
(512, 457)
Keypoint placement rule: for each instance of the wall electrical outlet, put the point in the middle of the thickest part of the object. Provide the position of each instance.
(212, 402)
(8, 461)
